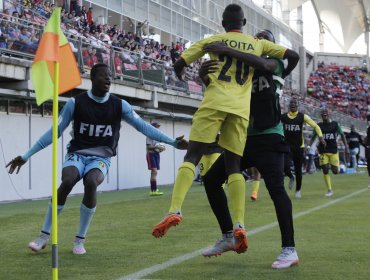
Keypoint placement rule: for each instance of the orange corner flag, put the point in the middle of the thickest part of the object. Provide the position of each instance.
(53, 47)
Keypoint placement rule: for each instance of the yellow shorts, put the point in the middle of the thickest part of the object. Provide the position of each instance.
(208, 122)
(332, 159)
(206, 162)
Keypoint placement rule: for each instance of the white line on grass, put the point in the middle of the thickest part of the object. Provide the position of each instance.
(180, 259)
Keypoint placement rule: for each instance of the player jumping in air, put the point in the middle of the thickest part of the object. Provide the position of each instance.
(224, 108)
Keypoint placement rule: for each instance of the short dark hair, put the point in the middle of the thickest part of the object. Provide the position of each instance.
(266, 34)
(233, 17)
(232, 8)
(95, 69)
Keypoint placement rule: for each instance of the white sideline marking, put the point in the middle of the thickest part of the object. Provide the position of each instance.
(180, 259)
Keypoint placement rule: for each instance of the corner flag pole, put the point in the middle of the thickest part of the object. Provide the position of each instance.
(54, 62)
(54, 223)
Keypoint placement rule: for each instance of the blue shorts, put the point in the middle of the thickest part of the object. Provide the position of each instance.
(153, 160)
(85, 163)
(354, 151)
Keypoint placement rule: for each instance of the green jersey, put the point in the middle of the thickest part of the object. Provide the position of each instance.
(265, 109)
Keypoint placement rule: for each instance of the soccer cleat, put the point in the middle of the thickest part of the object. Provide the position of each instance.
(170, 220)
(245, 175)
(298, 194)
(329, 193)
(240, 236)
(156, 193)
(286, 259)
(291, 182)
(40, 242)
(254, 196)
(368, 185)
(78, 246)
(225, 244)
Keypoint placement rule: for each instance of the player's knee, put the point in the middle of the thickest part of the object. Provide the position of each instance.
(211, 183)
(207, 181)
(68, 183)
(64, 189)
(325, 169)
(93, 178)
(335, 170)
(91, 183)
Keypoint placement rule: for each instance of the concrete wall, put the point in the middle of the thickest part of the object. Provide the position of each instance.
(128, 169)
(341, 59)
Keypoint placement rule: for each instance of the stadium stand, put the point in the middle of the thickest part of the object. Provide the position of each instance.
(144, 60)
(143, 73)
(346, 88)
(131, 56)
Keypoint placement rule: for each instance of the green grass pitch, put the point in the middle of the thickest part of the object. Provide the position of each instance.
(332, 240)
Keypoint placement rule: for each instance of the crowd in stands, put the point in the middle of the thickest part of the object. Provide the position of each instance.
(99, 41)
(307, 100)
(17, 32)
(21, 21)
(347, 89)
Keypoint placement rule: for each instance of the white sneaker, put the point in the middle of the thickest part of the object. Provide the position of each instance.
(40, 242)
(78, 246)
(225, 244)
(329, 193)
(287, 258)
(291, 182)
(298, 194)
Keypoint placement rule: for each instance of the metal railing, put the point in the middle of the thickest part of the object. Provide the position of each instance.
(126, 65)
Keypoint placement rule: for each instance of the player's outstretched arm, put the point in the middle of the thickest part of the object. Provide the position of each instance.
(316, 128)
(15, 163)
(293, 58)
(313, 138)
(45, 140)
(181, 143)
(179, 68)
(133, 119)
(257, 62)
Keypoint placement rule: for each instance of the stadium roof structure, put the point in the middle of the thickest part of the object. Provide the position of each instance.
(345, 20)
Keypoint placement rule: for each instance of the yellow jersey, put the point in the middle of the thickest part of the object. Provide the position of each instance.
(230, 87)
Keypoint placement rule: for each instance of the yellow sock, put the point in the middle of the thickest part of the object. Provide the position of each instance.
(183, 182)
(236, 185)
(327, 181)
(255, 186)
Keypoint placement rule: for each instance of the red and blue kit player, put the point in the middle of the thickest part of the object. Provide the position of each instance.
(153, 159)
